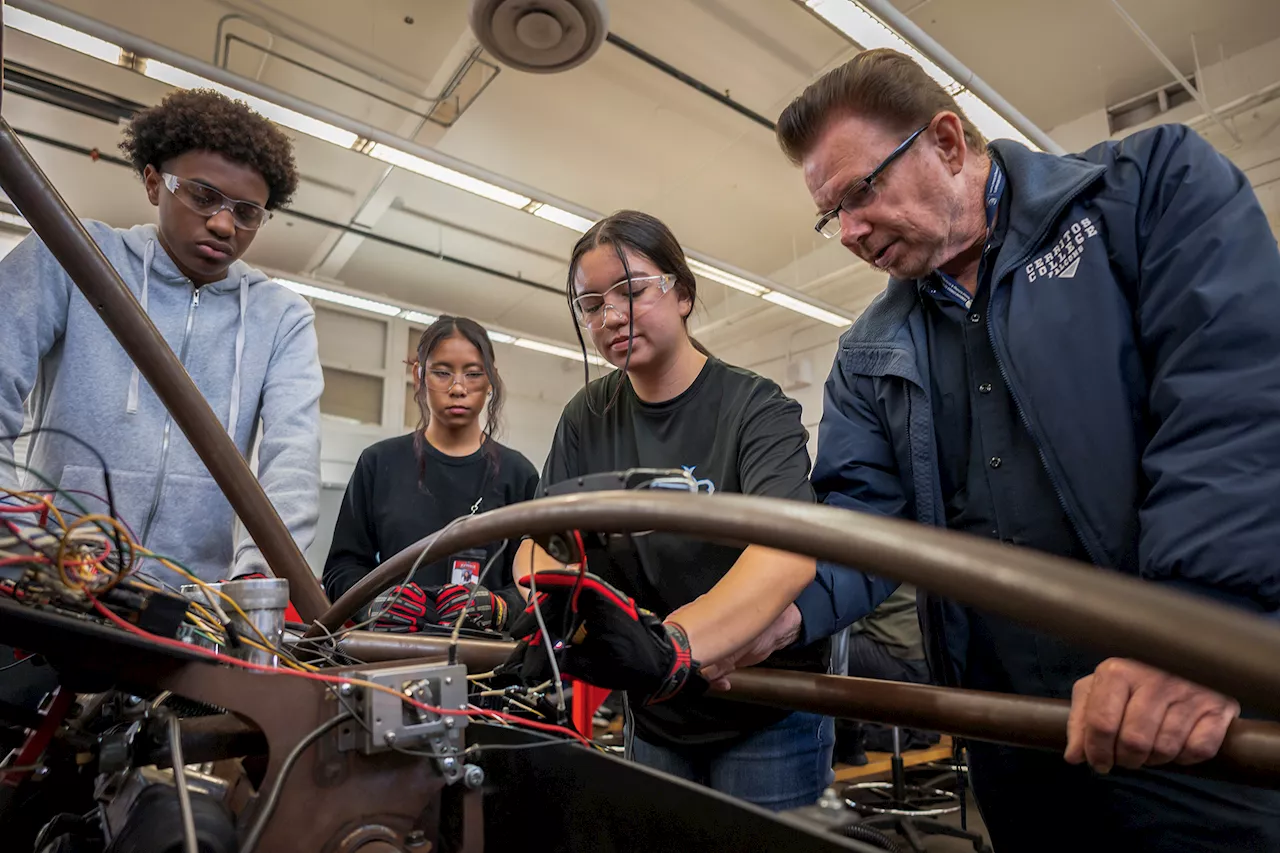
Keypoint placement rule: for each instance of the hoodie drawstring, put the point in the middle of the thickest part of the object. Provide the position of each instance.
(235, 377)
(131, 404)
(148, 254)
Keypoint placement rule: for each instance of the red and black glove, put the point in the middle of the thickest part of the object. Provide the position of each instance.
(488, 610)
(412, 610)
(610, 642)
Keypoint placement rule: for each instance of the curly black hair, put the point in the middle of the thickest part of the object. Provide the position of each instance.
(205, 120)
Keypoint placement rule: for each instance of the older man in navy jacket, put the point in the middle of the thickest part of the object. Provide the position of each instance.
(1075, 354)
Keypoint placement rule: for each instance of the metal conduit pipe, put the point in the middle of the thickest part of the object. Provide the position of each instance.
(1250, 753)
(151, 50)
(1222, 647)
(940, 56)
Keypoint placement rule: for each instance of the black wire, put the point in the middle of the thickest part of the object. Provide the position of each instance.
(264, 813)
(9, 666)
(106, 477)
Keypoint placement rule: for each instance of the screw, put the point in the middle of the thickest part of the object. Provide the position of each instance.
(448, 722)
(449, 763)
(473, 776)
(39, 773)
(345, 689)
(830, 800)
(389, 738)
(415, 838)
(448, 679)
(408, 19)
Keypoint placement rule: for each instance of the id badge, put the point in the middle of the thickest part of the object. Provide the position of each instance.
(465, 567)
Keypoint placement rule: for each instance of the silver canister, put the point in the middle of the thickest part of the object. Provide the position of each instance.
(263, 601)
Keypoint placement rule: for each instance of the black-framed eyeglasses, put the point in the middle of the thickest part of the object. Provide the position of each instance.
(862, 191)
(208, 202)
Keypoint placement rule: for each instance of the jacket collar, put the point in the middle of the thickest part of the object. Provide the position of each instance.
(1040, 187)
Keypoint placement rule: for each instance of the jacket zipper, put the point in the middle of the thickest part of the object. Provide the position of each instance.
(168, 420)
(1013, 392)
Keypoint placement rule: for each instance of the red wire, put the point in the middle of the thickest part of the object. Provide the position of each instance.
(328, 679)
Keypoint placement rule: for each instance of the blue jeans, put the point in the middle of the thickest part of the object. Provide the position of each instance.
(784, 766)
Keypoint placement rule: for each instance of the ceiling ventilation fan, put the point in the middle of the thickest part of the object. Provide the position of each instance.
(541, 36)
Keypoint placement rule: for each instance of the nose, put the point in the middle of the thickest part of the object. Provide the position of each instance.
(854, 229)
(615, 315)
(457, 389)
(222, 224)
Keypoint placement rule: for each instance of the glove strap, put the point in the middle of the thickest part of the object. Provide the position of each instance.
(682, 666)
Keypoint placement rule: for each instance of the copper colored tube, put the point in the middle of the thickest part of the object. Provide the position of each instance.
(1221, 647)
(71, 246)
(376, 647)
(1250, 754)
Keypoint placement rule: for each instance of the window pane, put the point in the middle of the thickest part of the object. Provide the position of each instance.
(352, 395)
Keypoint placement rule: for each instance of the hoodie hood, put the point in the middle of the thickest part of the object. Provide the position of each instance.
(144, 242)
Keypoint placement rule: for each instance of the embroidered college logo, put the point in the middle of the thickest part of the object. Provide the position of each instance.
(1063, 260)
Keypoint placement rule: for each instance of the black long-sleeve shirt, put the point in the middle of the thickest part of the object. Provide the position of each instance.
(386, 508)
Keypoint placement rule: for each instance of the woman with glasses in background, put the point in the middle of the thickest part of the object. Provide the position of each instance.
(670, 404)
(408, 487)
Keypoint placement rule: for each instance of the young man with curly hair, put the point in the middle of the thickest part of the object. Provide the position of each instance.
(215, 170)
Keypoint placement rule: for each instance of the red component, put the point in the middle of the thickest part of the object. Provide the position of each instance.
(587, 699)
(37, 739)
(94, 155)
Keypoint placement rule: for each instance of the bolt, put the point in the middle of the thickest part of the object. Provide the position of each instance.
(40, 773)
(389, 738)
(408, 19)
(448, 722)
(415, 838)
(830, 800)
(448, 679)
(345, 689)
(449, 763)
(472, 776)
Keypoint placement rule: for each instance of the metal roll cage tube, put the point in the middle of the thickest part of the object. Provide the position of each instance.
(1209, 643)
(1250, 754)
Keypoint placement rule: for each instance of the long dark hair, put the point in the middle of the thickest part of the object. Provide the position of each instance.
(474, 333)
(645, 235)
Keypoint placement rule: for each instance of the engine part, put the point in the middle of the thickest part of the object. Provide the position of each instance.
(153, 823)
(263, 601)
(391, 724)
(542, 36)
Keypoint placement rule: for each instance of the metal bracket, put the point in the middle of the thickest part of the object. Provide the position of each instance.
(389, 723)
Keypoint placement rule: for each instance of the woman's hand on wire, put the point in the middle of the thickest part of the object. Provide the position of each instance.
(608, 640)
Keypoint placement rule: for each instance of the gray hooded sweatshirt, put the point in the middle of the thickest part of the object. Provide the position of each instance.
(249, 344)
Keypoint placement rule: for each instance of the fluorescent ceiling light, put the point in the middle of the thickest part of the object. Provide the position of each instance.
(806, 309)
(869, 32)
(418, 317)
(13, 220)
(501, 337)
(58, 34)
(551, 213)
(553, 349)
(280, 115)
(339, 298)
(444, 175)
(728, 279)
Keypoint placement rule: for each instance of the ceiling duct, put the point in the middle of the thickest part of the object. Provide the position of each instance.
(542, 36)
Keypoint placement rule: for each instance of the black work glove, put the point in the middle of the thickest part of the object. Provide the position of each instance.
(611, 641)
(488, 610)
(411, 610)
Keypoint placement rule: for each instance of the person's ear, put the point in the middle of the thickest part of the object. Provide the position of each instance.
(154, 182)
(948, 134)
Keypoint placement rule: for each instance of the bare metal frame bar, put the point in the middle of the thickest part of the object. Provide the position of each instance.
(1250, 753)
(1209, 643)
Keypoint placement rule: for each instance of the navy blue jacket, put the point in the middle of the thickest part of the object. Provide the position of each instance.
(1135, 314)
